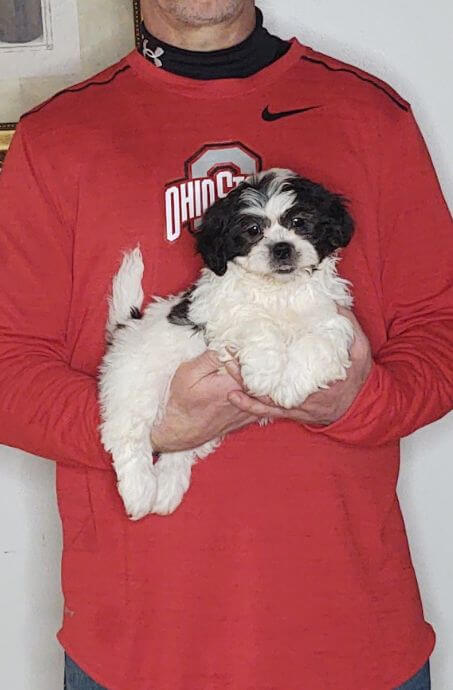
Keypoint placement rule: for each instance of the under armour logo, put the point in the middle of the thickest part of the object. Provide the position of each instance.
(153, 55)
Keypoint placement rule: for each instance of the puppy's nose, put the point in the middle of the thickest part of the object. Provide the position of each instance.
(282, 251)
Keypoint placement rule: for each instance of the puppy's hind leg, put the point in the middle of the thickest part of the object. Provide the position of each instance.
(173, 478)
(137, 481)
(173, 472)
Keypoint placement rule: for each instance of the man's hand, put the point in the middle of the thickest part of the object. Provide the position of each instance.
(198, 409)
(323, 407)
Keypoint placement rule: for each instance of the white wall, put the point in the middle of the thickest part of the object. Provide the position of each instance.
(407, 43)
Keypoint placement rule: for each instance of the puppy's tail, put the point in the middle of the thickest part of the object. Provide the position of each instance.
(127, 293)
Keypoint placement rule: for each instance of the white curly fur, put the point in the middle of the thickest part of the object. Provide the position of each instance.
(287, 335)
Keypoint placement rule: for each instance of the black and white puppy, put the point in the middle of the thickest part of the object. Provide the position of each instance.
(269, 294)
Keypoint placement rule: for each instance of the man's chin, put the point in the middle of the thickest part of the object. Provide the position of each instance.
(203, 12)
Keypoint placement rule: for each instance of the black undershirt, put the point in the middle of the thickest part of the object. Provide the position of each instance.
(257, 51)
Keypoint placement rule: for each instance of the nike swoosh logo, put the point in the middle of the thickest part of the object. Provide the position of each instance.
(271, 117)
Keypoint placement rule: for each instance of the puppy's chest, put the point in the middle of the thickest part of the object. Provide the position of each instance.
(237, 324)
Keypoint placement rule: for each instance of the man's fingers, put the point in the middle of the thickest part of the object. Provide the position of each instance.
(267, 400)
(352, 318)
(349, 314)
(344, 311)
(360, 348)
(253, 406)
(234, 371)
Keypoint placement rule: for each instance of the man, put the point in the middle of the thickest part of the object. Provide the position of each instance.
(303, 580)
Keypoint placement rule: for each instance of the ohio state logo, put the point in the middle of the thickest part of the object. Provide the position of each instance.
(210, 174)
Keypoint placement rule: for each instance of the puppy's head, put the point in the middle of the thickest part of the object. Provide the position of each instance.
(275, 224)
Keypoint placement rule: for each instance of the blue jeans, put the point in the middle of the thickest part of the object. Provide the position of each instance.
(421, 680)
(76, 679)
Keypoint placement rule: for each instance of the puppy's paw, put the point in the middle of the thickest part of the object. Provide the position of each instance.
(172, 484)
(260, 381)
(288, 395)
(138, 489)
(314, 363)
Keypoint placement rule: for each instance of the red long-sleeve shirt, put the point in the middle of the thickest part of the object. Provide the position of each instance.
(287, 564)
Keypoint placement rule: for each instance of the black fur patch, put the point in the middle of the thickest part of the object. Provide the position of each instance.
(221, 236)
(179, 314)
(135, 313)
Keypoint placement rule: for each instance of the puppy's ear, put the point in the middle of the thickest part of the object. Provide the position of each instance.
(213, 239)
(337, 224)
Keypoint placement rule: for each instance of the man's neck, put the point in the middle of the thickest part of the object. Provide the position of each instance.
(167, 28)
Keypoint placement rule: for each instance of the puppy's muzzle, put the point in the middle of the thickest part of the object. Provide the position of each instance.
(283, 257)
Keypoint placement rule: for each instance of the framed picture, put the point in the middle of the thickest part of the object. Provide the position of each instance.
(48, 45)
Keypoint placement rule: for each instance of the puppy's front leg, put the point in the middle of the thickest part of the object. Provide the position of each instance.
(316, 360)
(262, 359)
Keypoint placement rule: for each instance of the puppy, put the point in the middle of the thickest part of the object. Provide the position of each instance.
(268, 294)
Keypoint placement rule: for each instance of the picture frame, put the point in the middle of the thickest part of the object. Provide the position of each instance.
(6, 136)
(51, 85)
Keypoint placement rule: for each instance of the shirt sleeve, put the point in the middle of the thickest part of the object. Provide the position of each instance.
(411, 381)
(46, 407)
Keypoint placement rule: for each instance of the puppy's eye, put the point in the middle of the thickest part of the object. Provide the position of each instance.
(298, 223)
(254, 230)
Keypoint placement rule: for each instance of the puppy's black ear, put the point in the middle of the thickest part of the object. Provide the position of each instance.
(337, 224)
(213, 239)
